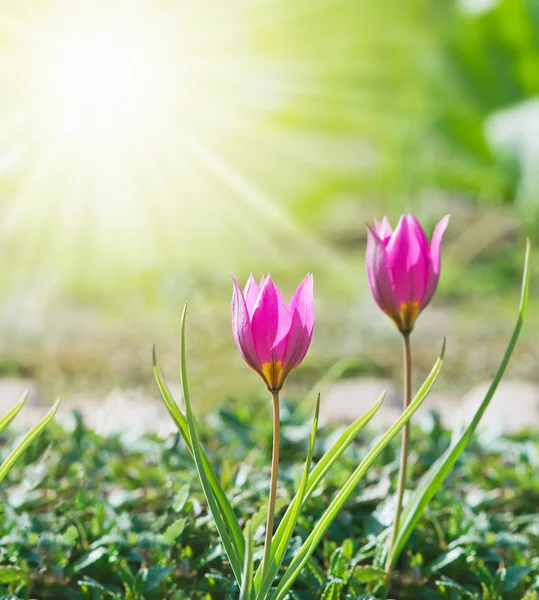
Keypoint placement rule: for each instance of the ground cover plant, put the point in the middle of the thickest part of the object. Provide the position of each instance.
(87, 517)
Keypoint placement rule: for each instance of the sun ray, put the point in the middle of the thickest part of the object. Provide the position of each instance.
(256, 199)
(146, 133)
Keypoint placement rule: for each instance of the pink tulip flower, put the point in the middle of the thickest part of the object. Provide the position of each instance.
(272, 337)
(403, 268)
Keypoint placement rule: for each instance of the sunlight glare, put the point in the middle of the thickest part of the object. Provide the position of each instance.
(101, 80)
(139, 134)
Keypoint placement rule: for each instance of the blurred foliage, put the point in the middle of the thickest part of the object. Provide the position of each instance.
(318, 115)
(420, 86)
(487, 62)
(90, 518)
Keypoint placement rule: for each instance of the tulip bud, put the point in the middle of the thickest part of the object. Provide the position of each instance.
(272, 338)
(403, 268)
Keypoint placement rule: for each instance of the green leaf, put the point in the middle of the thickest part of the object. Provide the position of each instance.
(88, 582)
(331, 592)
(89, 559)
(26, 441)
(513, 576)
(246, 589)
(232, 549)
(181, 498)
(447, 558)
(7, 418)
(445, 582)
(278, 549)
(337, 564)
(369, 574)
(155, 577)
(174, 531)
(434, 477)
(13, 574)
(321, 469)
(331, 512)
(71, 535)
(348, 548)
(228, 514)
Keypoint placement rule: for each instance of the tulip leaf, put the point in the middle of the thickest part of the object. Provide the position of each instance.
(248, 565)
(434, 477)
(8, 417)
(279, 546)
(27, 440)
(321, 469)
(228, 514)
(231, 547)
(331, 512)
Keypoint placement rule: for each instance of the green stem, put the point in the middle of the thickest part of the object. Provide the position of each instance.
(273, 484)
(407, 358)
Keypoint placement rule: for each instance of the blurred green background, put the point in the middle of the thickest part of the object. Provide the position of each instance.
(180, 141)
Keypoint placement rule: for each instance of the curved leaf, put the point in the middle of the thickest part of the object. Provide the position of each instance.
(434, 477)
(27, 440)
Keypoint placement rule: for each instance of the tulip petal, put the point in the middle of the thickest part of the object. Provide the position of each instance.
(435, 259)
(436, 243)
(418, 260)
(398, 260)
(383, 229)
(250, 293)
(297, 345)
(379, 274)
(303, 302)
(270, 323)
(241, 328)
(300, 334)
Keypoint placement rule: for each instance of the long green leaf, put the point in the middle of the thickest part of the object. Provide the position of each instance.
(7, 418)
(325, 521)
(434, 477)
(27, 440)
(248, 565)
(229, 516)
(321, 469)
(278, 550)
(231, 548)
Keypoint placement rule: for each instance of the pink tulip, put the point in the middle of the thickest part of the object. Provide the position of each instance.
(403, 268)
(273, 338)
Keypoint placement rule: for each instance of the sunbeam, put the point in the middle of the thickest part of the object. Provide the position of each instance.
(126, 127)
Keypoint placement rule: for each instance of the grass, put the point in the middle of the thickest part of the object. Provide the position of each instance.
(88, 517)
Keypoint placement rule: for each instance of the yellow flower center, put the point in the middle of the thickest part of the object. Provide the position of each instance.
(405, 319)
(273, 371)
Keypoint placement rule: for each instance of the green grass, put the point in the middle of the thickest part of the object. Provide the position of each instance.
(88, 517)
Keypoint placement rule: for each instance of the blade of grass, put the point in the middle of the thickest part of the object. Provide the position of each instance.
(27, 440)
(248, 565)
(170, 403)
(231, 548)
(325, 521)
(278, 549)
(229, 516)
(322, 467)
(434, 477)
(8, 417)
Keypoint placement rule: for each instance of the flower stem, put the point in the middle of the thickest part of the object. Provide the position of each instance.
(273, 484)
(407, 359)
